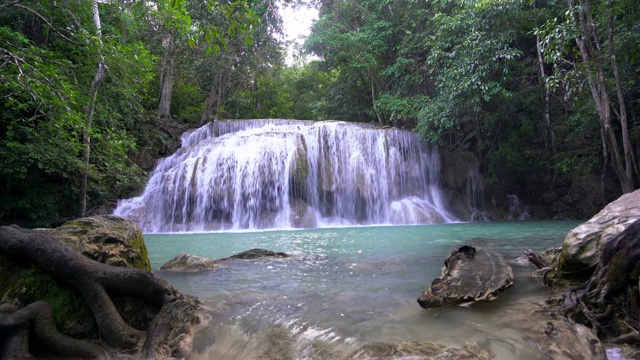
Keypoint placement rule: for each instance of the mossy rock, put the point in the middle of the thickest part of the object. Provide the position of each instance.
(189, 263)
(301, 163)
(107, 239)
(27, 283)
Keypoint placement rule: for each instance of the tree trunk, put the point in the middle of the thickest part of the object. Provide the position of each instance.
(591, 53)
(214, 98)
(548, 133)
(373, 99)
(630, 162)
(93, 94)
(166, 77)
(603, 173)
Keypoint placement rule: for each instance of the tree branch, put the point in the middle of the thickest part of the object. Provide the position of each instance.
(9, 4)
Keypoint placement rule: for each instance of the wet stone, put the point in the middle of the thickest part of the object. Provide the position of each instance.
(189, 263)
(256, 254)
(470, 274)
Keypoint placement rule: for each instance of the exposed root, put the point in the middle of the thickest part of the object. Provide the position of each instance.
(93, 280)
(611, 294)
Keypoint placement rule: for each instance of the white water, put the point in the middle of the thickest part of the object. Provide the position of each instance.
(263, 174)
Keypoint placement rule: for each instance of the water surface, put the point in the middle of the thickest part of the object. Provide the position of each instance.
(344, 287)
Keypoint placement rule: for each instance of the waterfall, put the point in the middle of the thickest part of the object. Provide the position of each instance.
(475, 194)
(261, 174)
(516, 210)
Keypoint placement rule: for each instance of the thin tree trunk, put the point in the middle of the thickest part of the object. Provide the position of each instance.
(605, 164)
(93, 94)
(373, 99)
(592, 57)
(547, 97)
(166, 77)
(630, 163)
(211, 102)
(215, 97)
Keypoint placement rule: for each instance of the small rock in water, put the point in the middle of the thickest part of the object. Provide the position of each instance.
(189, 263)
(256, 254)
(469, 275)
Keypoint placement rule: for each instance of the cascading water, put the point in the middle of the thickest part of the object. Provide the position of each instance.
(261, 174)
(475, 194)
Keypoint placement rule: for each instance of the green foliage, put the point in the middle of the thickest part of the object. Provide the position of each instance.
(44, 85)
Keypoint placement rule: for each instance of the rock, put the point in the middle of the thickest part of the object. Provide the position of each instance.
(533, 322)
(469, 275)
(582, 246)
(189, 263)
(256, 254)
(552, 254)
(108, 239)
(55, 283)
(413, 210)
(302, 215)
(419, 351)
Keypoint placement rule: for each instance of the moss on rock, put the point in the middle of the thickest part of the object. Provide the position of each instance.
(108, 239)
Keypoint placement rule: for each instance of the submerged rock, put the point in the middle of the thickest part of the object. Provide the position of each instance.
(419, 351)
(256, 254)
(469, 275)
(189, 263)
(583, 245)
(551, 336)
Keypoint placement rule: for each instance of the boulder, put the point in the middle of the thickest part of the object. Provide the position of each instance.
(108, 239)
(189, 263)
(583, 245)
(541, 333)
(63, 297)
(469, 275)
(419, 351)
(256, 254)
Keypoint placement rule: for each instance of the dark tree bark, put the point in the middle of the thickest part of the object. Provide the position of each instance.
(166, 76)
(609, 301)
(220, 84)
(592, 56)
(94, 281)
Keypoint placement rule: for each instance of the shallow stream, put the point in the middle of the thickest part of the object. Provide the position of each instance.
(344, 287)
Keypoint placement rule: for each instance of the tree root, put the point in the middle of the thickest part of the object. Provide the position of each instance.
(609, 295)
(631, 337)
(93, 280)
(15, 327)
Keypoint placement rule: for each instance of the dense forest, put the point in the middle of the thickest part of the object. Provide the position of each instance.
(542, 94)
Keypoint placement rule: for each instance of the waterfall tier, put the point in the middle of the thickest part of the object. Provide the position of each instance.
(261, 174)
